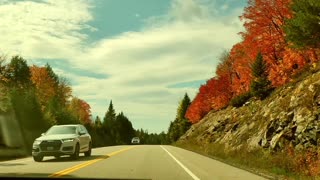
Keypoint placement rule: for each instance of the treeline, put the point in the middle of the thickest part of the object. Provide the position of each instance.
(181, 124)
(39, 98)
(282, 35)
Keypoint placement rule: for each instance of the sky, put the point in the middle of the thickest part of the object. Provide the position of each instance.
(144, 55)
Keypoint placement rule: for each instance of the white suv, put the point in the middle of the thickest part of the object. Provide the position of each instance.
(62, 140)
(135, 140)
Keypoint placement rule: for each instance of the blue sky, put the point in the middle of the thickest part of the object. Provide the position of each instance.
(141, 54)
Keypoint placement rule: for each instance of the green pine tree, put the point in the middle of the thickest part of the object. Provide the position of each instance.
(303, 30)
(260, 86)
(183, 107)
(109, 123)
(180, 125)
(18, 73)
(97, 122)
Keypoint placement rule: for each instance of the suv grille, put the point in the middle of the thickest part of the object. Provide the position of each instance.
(50, 145)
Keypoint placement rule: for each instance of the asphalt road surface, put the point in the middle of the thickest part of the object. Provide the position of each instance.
(129, 162)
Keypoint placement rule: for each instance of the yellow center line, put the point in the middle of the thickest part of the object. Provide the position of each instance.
(82, 165)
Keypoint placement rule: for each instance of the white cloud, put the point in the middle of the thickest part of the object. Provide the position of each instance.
(43, 29)
(178, 47)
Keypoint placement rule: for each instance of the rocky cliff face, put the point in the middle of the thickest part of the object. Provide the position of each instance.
(290, 115)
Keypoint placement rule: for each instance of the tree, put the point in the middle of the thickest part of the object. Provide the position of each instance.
(28, 113)
(181, 124)
(109, 122)
(260, 86)
(123, 129)
(173, 131)
(303, 30)
(98, 122)
(17, 73)
(110, 115)
(81, 110)
(44, 84)
(183, 106)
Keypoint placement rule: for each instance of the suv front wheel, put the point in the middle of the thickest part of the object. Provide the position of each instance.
(88, 153)
(38, 158)
(75, 155)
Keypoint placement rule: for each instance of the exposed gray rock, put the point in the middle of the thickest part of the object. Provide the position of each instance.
(290, 115)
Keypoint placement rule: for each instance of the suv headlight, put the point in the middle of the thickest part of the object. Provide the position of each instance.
(36, 142)
(68, 140)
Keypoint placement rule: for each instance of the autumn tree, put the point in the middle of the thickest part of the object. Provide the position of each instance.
(45, 85)
(81, 110)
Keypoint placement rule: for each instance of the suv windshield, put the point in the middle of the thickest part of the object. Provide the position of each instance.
(61, 130)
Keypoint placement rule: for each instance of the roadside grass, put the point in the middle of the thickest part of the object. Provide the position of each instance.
(271, 165)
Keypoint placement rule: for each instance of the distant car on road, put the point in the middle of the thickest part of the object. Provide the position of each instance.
(62, 140)
(135, 140)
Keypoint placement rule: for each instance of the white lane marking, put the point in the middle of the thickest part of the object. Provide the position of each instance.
(184, 167)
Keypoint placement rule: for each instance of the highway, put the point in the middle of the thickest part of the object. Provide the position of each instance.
(129, 162)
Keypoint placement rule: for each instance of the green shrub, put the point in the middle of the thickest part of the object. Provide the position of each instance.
(240, 100)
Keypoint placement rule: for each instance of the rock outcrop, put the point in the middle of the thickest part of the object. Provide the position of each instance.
(290, 115)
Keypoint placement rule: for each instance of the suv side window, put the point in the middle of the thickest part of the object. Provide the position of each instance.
(83, 129)
(78, 130)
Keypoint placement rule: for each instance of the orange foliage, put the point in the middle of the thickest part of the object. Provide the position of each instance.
(81, 110)
(263, 23)
(45, 85)
(242, 77)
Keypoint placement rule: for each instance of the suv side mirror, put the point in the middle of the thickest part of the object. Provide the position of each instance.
(81, 133)
(42, 134)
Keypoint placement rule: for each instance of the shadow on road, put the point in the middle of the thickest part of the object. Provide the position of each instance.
(81, 158)
(12, 164)
(29, 176)
(44, 176)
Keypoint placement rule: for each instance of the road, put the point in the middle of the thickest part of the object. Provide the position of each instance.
(129, 162)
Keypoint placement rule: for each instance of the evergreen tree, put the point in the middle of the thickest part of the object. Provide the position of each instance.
(110, 115)
(97, 122)
(260, 86)
(17, 73)
(181, 124)
(52, 75)
(174, 131)
(124, 131)
(183, 107)
(109, 123)
(303, 30)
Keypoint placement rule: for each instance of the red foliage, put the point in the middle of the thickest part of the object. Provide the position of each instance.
(215, 94)
(241, 66)
(264, 21)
